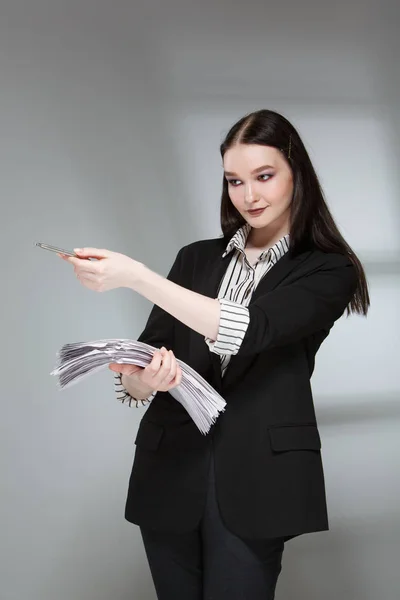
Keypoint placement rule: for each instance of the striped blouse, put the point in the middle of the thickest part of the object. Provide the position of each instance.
(236, 289)
(234, 295)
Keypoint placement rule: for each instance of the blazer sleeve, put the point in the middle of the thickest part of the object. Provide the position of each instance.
(294, 311)
(158, 332)
(159, 328)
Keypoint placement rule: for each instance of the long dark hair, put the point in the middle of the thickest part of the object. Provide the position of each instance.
(312, 225)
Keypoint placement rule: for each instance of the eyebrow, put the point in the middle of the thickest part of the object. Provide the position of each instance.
(258, 170)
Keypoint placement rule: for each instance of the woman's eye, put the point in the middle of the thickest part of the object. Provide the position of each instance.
(236, 182)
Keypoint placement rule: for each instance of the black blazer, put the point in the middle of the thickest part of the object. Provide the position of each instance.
(267, 448)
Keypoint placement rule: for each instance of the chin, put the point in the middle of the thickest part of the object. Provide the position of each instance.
(257, 224)
(260, 224)
(267, 220)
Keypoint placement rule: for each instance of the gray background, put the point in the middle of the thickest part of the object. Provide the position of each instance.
(111, 114)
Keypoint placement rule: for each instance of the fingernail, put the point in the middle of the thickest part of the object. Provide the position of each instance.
(77, 250)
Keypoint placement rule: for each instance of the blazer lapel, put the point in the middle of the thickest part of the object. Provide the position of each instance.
(277, 274)
(207, 284)
(268, 283)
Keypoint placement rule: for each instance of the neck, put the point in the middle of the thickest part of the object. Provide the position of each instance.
(267, 236)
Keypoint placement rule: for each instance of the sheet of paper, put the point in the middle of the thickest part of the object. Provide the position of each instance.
(79, 360)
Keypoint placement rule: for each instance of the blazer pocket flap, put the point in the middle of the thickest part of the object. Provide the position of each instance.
(295, 437)
(149, 435)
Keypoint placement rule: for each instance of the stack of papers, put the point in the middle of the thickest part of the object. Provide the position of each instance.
(197, 396)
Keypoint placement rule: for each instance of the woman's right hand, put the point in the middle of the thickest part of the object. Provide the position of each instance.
(162, 374)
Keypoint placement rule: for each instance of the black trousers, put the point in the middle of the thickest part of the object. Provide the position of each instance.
(211, 563)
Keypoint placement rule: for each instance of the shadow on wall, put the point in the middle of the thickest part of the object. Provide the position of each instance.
(357, 409)
(338, 563)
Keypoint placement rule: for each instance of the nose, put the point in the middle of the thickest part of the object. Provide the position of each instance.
(249, 196)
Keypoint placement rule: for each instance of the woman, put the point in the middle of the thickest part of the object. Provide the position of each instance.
(248, 311)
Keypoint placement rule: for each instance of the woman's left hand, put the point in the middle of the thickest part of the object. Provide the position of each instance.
(111, 270)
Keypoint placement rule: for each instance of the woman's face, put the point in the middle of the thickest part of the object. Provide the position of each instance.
(259, 178)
